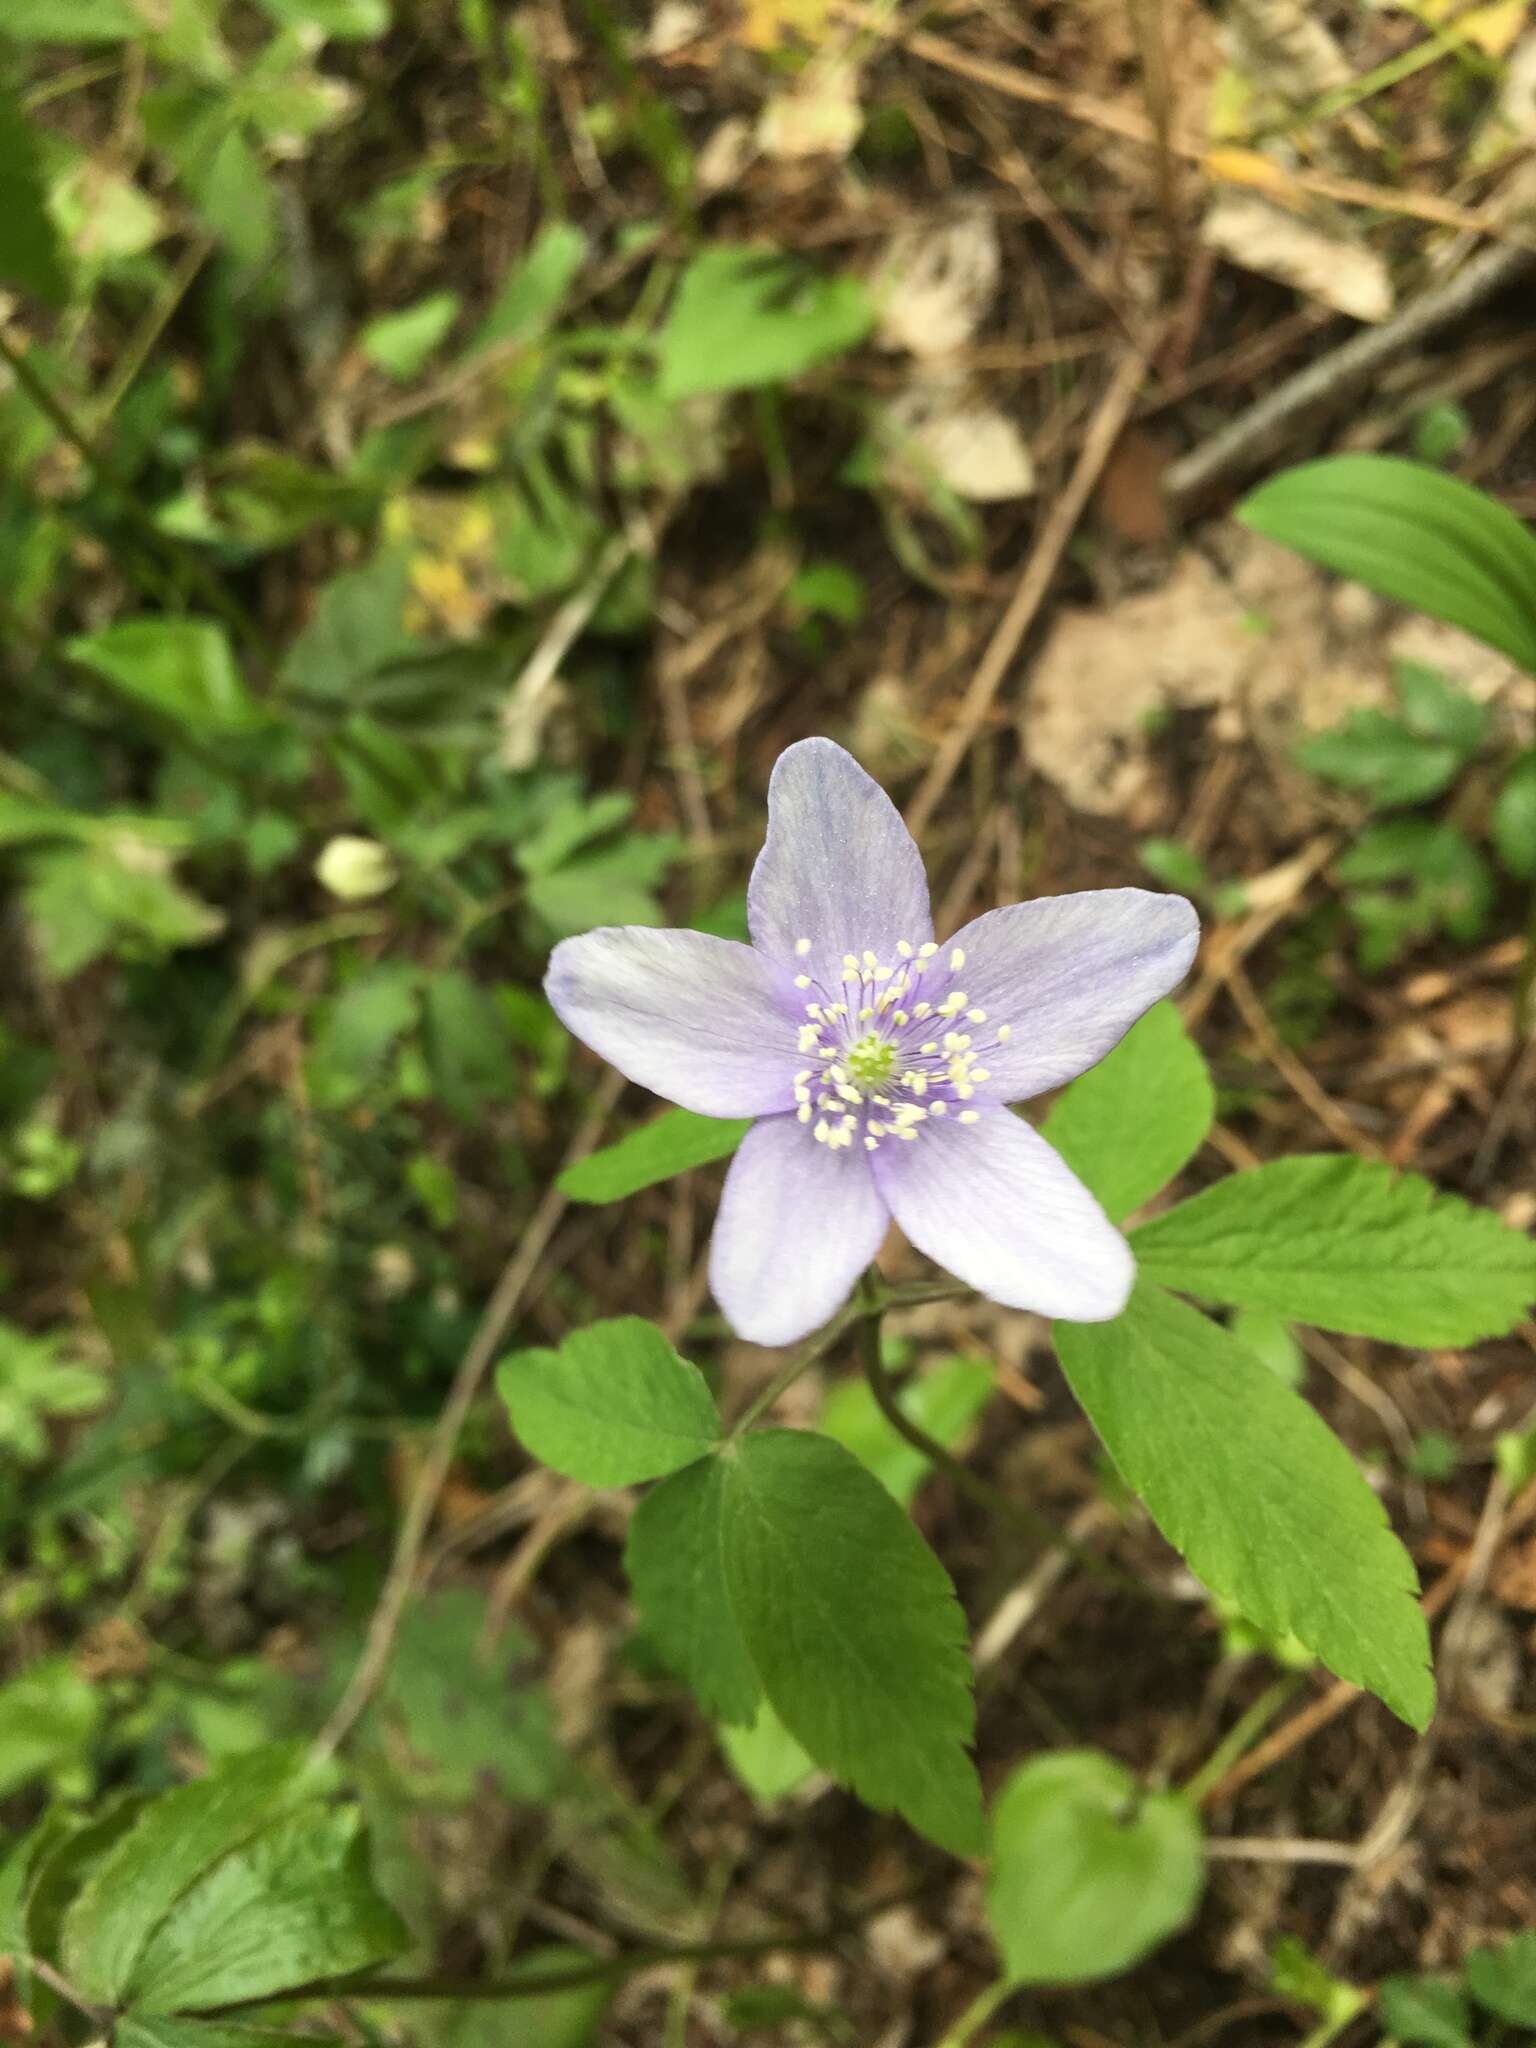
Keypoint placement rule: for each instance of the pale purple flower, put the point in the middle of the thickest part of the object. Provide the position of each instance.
(877, 1063)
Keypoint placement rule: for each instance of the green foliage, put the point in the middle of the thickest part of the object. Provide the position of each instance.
(35, 1383)
(48, 1717)
(676, 1564)
(1425, 2012)
(944, 1401)
(1503, 1979)
(669, 1144)
(400, 344)
(615, 1404)
(1252, 1488)
(1412, 534)
(1089, 1873)
(853, 1627)
(1513, 824)
(1350, 1245)
(1131, 1123)
(31, 258)
(747, 315)
(1404, 759)
(1408, 879)
(181, 669)
(766, 1757)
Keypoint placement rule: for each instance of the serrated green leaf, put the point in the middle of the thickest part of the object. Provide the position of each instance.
(746, 315)
(614, 1405)
(1346, 1244)
(1128, 1125)
(854, 1629)
(169, 1847)
(943, 1401)
(31, 255)
(766, 1757)
(669, 1144)
(181, 668)
(1503, 1980)
(1089, 1874)
(1251, 1486)
(293, 1903)
(71, 21)
(1414, 535)
(158, 2030)
(1425, 2012)
(676, 1566)
(1513, 824)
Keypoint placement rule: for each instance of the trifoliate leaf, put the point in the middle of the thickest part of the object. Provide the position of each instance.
(1129, 1124)
(615, 1404)
(854, 1629)
(175, 1840)
(294, 1903)
(1088, 1873)
(675, 1564)
(669, 1144)
(1347, 1244)
(1255, 1491)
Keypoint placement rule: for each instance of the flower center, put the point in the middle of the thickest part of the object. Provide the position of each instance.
(890, 1047)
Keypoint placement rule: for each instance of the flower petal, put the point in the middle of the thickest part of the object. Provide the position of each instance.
(995, 1206)
(798, 1223)
(838, 867)
(1069, 976)
(688, 1016)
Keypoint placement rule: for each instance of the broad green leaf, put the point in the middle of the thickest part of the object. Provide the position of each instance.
(467, 1714)
(31, 257)
(766, 1757)
(614, 1405)
(531, 297)
(181, 668)
(1503, 1980)
(400, 343)
(747, 315)
(1513, 824)
(854, 1628)
(1425, 2012)
(1347, 1244)
(115, 896)
(1379, 756)
(1269, 1338)
(1435, 708)
(943, 1401)
(294, 1903)
(1129, 1124)
(172, 1844)
(71, 21)
(1251, 1486)
(676, 1566)
(1089, 1873)
(1414, 535)
(48, 1715)
(157, 2030)
(1409, 878)
(669, 1144)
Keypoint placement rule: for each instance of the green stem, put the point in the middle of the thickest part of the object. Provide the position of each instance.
(1241, 1736)
(1040, 1528)
(976, 2015)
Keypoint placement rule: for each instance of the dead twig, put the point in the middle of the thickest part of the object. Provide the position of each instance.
(1039, 570)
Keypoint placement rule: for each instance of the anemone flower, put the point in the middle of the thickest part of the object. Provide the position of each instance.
(878, 1063)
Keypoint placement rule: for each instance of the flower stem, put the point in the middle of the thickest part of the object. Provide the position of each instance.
(1035, 1525)
(976, 2015)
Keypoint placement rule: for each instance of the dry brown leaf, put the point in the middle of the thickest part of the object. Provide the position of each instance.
(936, 285)
(1327, 267)
(970, 446)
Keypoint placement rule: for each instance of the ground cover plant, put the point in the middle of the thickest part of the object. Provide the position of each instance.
(766, 1087)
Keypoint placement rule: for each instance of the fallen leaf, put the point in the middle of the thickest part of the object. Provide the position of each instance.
(819, 116)
(970, 446)
(1325, 266)
(936, 285)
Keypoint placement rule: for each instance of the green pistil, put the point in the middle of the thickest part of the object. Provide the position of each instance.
(871, 1061)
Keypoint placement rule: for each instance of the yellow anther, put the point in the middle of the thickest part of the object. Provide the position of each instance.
(977, 1016)
(802, 981)
(956, 961)
(802, 947)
